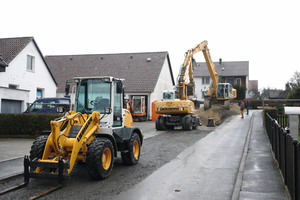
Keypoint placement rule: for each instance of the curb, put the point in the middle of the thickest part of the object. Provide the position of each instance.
(239, 177)
(10, 159)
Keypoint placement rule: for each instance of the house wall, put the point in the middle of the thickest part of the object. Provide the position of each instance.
(164, 82)
(200, 88)
(27, 81)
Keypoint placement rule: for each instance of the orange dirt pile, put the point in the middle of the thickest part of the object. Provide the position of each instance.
(218, 113)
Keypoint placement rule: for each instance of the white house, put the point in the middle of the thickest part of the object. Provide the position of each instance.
(24, 76)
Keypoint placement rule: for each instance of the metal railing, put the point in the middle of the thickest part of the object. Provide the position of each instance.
(286, 150)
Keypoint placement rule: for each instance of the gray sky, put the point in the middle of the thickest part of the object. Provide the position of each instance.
(264, 32)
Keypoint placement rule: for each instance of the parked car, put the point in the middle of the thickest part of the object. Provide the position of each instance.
(49, 105)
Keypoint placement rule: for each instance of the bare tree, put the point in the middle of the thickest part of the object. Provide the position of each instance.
(295, 80)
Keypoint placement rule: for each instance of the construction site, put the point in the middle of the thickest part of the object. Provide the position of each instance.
(218, 113)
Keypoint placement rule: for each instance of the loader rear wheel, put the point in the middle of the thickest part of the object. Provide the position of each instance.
(132, 156)
(38, 146)
(100, 158)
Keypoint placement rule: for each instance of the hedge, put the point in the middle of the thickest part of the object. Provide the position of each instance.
(25, 125)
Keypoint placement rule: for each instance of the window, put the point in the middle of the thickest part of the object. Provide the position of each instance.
(205, 80)
(238, 81)
(39, 93)
(30, 63)
(117, 107)
(10, 86)
(50, 105)
(37, 106)
(230, 80)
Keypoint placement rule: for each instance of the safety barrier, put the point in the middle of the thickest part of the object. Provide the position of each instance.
(286, 150)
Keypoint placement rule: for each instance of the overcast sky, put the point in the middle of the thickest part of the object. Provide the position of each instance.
(264, 32)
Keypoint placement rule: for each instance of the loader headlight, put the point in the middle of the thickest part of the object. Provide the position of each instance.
(107, 110)
(77, 80)
(106, 79)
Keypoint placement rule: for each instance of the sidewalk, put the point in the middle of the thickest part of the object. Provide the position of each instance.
(233, 162)
(261, 178)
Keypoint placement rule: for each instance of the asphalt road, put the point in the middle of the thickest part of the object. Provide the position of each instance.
(160, 147)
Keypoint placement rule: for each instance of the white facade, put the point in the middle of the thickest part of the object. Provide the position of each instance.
(201, 86)
(164, 82)
(18, 83)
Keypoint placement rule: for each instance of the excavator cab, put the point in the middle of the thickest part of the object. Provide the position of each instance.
(170, 94)
(224, 90)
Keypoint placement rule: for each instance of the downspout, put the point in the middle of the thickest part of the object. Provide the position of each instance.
(149, 107)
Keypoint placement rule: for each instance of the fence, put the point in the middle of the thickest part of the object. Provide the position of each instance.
(287, 151)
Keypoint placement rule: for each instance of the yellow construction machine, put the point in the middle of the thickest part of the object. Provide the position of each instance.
(219, 93)
(177, 110)
(92, 133)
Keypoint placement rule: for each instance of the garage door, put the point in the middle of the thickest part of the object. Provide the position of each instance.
(10, 106)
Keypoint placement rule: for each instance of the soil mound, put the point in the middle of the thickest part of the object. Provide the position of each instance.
(218, 113)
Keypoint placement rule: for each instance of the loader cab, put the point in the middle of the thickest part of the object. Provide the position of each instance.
(102, 94)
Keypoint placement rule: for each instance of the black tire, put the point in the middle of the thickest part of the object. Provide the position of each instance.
(157, 123)
(227, 104)
(206, 104)
(188, 124)
(38, 146)
(132, 156)
(100, 158)
(161, 123)
(183, 123)
(195, 126)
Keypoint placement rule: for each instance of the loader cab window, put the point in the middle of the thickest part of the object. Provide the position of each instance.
(93, 95)
(117, 109)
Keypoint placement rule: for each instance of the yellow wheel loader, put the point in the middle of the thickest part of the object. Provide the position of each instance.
(92, 133)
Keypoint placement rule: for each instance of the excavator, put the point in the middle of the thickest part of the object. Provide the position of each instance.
(218, 93)
(137, 108)
(175, 107)
(93, 133)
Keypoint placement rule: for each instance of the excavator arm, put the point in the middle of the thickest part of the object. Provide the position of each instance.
(187, 68)
(212, 71)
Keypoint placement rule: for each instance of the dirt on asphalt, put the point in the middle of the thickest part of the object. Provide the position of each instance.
(218, 113)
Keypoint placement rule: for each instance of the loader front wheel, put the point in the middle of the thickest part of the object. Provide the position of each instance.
(100, 158)
(132, 156)
(38, 146)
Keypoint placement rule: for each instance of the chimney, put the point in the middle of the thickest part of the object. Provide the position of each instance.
(220, 61)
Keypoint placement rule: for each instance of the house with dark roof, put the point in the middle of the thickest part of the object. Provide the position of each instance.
(236, 72)
(24, 74)
(272, 94)
(145, 74)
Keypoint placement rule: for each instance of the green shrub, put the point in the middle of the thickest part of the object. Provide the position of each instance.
(25, 125)
(273, 112)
